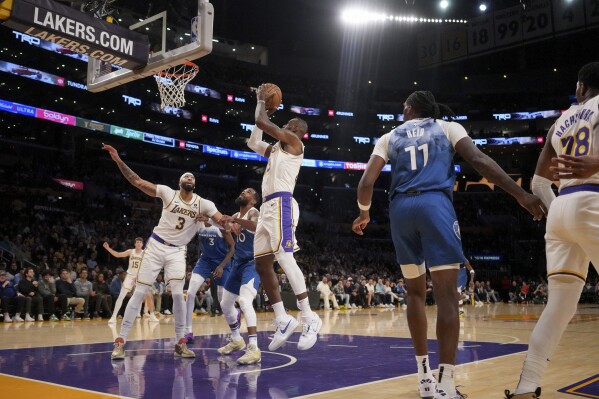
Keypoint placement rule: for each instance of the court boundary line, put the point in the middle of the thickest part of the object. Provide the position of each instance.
(66, 386)
(397, 378)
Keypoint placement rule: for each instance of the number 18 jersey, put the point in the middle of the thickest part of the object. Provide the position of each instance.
(576, 133)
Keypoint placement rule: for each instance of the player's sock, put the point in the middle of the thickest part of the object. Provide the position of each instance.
(235, 335)
(445, 380)
(253, 338)
(279, 310)
(194, 284)
(424, 369)
(304, 306)
(132, 311)
(179, 308)
(119, 302)
(561, 307)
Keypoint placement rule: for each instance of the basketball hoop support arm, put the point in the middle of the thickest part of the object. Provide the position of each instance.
(158, 62)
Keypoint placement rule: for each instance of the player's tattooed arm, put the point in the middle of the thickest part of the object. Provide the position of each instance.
(131, 176)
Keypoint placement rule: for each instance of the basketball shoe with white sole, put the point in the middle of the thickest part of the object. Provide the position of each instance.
(181, 349)
(529, 395)
(232, 346)
(252, 355)
(285, 328)
(427, 388)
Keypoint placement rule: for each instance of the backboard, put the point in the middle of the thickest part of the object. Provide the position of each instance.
(171, 44)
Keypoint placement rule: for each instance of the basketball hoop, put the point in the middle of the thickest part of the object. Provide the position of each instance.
(172, 81)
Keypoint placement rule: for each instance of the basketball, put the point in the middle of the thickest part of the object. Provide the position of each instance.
(275, 96)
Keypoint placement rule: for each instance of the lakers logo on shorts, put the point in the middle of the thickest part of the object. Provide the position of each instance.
(288, 244)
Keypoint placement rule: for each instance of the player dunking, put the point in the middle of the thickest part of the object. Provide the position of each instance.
(275, 232)
(217, 248)
(242, 284)
(572, 236)
(166, 248)
(424, 225)
(129, 283)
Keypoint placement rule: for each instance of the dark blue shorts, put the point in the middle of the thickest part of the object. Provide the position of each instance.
(205, 268)
(242, 274)
(424, 227)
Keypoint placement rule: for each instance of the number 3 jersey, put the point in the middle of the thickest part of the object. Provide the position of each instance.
(213, 245)
(178, 225)
(421, 154)
(576, 133)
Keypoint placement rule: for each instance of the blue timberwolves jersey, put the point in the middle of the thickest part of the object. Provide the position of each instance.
(244, 243)
(421, 157)
(213, 245)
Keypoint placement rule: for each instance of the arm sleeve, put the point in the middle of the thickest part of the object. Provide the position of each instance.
(541, 187)
(207, 208)
(381, 147)
(255, 143)
(165, 193)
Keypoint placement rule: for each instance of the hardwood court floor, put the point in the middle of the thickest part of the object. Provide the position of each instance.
(362, 354)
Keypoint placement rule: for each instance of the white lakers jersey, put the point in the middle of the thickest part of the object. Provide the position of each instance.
(178, 225)
(134, 262)
(576, 133)
(281, 171)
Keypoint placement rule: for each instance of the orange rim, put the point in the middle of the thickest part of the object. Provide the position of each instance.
(181, 75)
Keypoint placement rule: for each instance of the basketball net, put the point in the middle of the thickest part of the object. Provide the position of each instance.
(171, 84)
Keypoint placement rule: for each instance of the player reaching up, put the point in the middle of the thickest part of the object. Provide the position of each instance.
(129, 283)
(275, 231)
(166, 248)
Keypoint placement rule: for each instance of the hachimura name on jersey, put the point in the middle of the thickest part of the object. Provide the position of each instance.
(576, 134)
(178, 225)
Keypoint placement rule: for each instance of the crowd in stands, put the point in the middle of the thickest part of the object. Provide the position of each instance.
(51, 243)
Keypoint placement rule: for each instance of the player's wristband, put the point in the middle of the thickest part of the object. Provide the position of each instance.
(471, 271)
(363, 207)
(262, 101)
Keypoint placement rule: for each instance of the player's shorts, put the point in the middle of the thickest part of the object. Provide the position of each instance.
(462, 278)
(571, 238)
(242, 273)
(275, 230)
(157, 256)
(129, 282)
(205, 267)
(424, 227)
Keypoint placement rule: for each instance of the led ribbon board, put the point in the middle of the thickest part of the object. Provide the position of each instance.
(80, 32)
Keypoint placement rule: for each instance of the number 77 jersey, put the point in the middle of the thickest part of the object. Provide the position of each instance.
(421, 154)
(576, 133)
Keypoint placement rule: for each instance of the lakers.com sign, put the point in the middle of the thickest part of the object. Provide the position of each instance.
(80, 32)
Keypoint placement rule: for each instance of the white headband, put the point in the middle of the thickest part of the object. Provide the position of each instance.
(184, 174)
